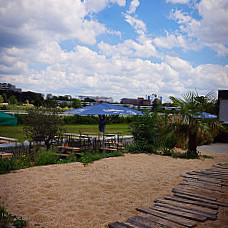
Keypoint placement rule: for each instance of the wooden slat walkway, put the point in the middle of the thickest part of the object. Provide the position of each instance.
(195, 200)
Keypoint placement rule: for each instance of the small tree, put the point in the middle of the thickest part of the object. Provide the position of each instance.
(13, 100)
(1, 99)
(43, 125)
(189, 123)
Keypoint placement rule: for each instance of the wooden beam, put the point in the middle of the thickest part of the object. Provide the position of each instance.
(198, 203)
(169, 217)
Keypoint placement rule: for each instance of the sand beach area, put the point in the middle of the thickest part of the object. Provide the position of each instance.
(92, 196)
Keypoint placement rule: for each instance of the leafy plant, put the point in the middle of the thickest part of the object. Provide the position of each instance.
(89, 157)
(6, 219)
(45, 158)
(43, 125)
(189, 124)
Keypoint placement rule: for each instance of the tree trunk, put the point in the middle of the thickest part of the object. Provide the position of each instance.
(192, 143)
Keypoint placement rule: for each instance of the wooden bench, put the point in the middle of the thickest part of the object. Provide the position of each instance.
(7, 140)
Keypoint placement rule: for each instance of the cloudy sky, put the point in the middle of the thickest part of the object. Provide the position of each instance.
(117, 48)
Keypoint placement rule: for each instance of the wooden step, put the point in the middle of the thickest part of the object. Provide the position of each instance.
(119, 225)
(184, 200)
(169, 217)
(186, 209)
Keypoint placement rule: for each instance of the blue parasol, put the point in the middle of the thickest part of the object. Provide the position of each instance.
(102, 110)
(205, 115)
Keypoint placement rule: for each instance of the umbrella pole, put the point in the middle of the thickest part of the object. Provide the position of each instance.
(103, 141)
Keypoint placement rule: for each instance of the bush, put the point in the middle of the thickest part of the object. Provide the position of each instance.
(152, 133)
(45, 158)
(6, 219)
(6, 165)
(89, 158)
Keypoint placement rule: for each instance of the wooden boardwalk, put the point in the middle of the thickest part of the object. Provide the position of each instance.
(194, 200)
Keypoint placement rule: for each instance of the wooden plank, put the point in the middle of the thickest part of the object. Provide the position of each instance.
(183, 200)
(191, 193)
(220, 167)
(144, 222)
(186, 209)
(119, 225)
(195, 186)
(169, 217)
(203, 182)
(201, 199)
(201, 179)
(193, 181)
(63, 155)
(212, 176)
(188, 206)
(202, 191)
(163, 221)
(195, 217)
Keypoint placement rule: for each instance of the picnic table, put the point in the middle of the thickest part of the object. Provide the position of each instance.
(67, 150)
(7, 140)
(6, 155)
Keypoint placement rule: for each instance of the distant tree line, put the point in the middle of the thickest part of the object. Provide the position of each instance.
(37, 99)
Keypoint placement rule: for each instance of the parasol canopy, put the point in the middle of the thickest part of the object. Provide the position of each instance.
(104, 109)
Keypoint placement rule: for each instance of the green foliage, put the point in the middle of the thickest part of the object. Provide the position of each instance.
(194, 129)
(152, 133)
(89, 157)
(12, 100)
(6, 165)
(76, 103)
(6, 219)
(1, 99)
(43, 125)
(45, 158)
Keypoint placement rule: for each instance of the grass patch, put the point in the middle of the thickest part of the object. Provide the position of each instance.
(18, 133)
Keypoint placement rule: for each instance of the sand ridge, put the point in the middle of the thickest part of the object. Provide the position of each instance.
(71, 195)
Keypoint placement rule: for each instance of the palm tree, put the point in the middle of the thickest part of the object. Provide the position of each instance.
(189, 123)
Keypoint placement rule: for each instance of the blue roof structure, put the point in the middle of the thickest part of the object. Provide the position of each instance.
(104, 109)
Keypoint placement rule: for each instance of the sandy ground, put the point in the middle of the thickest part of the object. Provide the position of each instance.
(71, 195)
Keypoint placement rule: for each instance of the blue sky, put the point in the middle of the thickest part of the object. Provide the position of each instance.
(117, 48)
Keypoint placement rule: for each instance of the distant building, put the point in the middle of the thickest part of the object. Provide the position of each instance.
(9, 87)
(96, 98)
(223, 105)
(152, 97)
(49, 96)
(134, 101)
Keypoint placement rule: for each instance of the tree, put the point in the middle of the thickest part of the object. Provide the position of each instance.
(43, 125)
(1, 99)
(13, 100)
(189, 123)
(76, 103)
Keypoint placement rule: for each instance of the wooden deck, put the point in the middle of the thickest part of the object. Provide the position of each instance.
(194, 200)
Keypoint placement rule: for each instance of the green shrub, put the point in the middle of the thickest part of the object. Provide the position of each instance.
(6, 219)
(6, 165)
(45, 158)
(89, 157)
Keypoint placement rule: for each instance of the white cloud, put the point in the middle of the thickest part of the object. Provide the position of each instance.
(25, 23)
(138, 25)
(83, 71)
(98, 5)
(133, 6)
(211, 30)
(130, 48)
